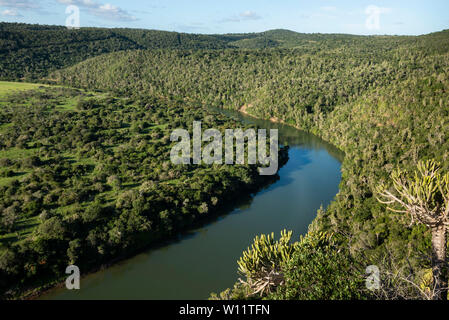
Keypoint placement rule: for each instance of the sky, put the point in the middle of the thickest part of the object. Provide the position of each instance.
(394, 17)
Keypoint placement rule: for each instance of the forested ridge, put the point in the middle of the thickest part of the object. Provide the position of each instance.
(32, 51)
(383, 100)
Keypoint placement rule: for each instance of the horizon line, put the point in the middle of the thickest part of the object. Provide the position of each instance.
(231, 33)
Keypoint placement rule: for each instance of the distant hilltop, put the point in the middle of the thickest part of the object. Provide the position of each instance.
(30, 51)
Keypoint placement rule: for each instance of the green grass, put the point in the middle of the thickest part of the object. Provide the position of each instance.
(16, 153)
(159, 126)
(68, 104)
(13, 154)
(24, 228)
(4, 127)
(7, 180)
(7, 87)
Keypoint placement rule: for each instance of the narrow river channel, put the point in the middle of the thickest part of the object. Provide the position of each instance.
(205, 260)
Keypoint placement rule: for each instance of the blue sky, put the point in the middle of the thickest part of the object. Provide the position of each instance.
(205, 16)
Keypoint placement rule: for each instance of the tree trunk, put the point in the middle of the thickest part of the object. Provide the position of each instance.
(439, 269)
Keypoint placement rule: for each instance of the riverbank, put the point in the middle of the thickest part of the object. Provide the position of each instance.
(204, 260)
(244, 109)
(227, 204)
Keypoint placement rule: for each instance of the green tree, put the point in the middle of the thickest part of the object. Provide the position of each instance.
(321, 268)
(424, 197)
(261, 264)
(52, 228)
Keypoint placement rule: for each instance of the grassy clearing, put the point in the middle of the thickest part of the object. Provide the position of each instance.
(7, 87)
(4, 127)
(24, 228)
(68, 104)
(61, 104)
(16, 153)
(7, 180)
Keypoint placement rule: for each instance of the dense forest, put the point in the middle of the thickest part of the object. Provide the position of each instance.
(383, 100)
(32, 51)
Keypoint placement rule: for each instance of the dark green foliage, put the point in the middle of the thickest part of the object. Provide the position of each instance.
(31, 51)
(317, 267)
(322, 269)
(97, 182)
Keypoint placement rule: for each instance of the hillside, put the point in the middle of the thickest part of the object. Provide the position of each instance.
(32, 51)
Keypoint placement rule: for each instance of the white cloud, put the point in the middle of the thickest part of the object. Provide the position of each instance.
(19, 4)
(11, 13)
(112, 12)
(250, 15)
(15, 5)
(106, 11)
(80, 3)
(243, 16)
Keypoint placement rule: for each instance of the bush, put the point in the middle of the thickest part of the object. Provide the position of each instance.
(93, 212)
(52, 228)
(320, 269)
(262, 263)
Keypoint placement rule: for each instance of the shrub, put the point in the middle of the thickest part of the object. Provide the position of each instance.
(321, 269)
(261, 264)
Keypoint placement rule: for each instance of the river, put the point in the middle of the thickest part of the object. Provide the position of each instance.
(204, 260)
